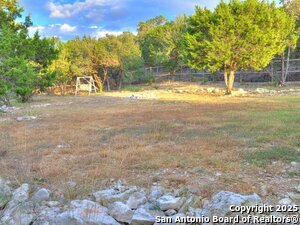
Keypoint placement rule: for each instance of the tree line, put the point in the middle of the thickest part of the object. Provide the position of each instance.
(236, 35)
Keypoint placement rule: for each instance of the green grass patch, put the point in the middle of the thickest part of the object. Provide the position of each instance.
(263, 157)
(133, 88)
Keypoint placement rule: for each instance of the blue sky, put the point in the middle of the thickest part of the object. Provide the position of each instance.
(69, 18)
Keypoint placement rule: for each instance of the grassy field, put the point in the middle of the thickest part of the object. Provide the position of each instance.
(206, 142)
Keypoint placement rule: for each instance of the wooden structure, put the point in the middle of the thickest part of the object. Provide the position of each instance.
(86, 83)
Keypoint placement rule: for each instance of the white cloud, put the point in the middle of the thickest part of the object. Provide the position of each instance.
(102, 33)
(66, 28)
(34, 29)
(58, 10)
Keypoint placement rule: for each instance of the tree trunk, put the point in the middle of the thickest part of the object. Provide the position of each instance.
(108, 86)
(120, 84)
(287, 64)
(105, 79)
(225, 76)
(98, 81)
(230, 82)
(282, 70)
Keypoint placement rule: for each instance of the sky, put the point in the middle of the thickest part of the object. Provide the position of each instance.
(67, 19)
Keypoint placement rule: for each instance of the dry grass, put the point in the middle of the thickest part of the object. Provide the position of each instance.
(176, 139)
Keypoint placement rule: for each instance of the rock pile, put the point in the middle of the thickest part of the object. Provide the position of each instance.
(25, 118)
(7, 109)
(143, 96)
(118, 205)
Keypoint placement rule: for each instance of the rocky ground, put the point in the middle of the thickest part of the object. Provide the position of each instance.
(123, 204)
(185, 141)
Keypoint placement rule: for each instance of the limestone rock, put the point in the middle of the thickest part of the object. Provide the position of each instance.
(21, 194)
(105, 197)
(169, 202)
(47, 216)
(170, 212)
(294, 196)
(41, 195)
(85, 212)
(142, 217)
(220, 203)
(192, 201)
(18, 213)
(26, 118)
(157, 191)
(19, 210)
(120, 212)
(5, 193)
(136, 199)
(262, 90)
(285, 201)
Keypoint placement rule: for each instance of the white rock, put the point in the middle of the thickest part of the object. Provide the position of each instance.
(191, 201)
(5, 193)
(40, 106)
(294, 164)
(53, 204)
(221, 202)
(285, 201)
(85, 212)
(294, 196)
(21, 194)
(157, 191)
(262, 90)
(47, 216)
(195, 212)
(41, 195)
(170, 212)
(136, 199)
(169, 202)
(25, 118)
(142, 217)
(105, 197)
(120, 212)
(18, 213)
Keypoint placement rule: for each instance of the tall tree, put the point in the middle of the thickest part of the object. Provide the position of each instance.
(23, 60)
(152, 40)
(292, 7)
(237, 35)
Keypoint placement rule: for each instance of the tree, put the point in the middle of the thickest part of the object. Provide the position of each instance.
(23, 60)
(62, 67)
(237, 35)
(292, 7)
(152, 40)
(175, 32)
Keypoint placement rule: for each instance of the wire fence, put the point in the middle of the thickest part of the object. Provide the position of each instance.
(272, 72)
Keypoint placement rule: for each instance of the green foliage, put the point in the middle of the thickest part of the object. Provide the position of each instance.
(20, 76)
(111, 59)
(162, 41)
(238, 35)
(24, 60)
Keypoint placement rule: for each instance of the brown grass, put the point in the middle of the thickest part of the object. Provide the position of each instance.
(177, 139)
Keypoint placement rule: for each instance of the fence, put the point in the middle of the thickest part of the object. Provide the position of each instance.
(270, 73)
